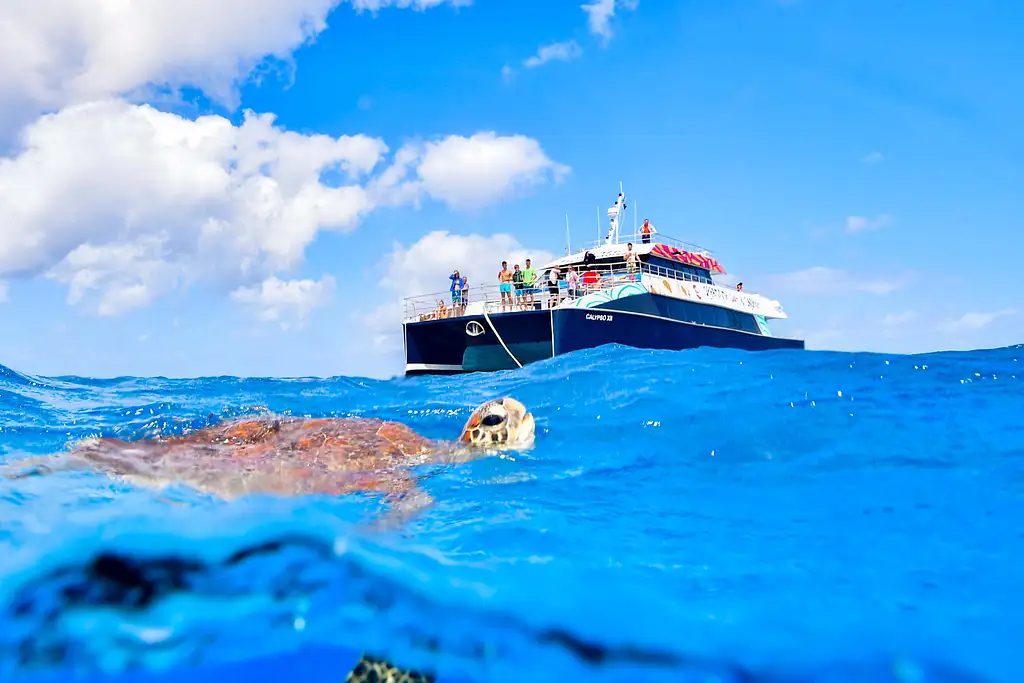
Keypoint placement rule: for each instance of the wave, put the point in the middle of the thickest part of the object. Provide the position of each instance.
(154, 600)
(684, 516)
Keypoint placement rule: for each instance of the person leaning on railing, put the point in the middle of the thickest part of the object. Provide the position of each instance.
(646, 230)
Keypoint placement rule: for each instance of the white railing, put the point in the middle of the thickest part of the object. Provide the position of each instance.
(489, 297)
(656, 238)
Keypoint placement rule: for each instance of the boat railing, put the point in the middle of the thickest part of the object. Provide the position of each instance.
(488, 298)
(655, 238)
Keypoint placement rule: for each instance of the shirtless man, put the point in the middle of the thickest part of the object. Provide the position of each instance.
(632, 260)
(505, 286)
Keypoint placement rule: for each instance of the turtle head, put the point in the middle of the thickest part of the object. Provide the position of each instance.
(501, 423)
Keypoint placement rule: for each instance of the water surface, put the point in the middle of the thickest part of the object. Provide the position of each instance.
(703, 515)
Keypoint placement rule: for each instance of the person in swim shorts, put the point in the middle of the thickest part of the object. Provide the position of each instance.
(517, 283)
(529, 275)
(505, 286)
(456, 290)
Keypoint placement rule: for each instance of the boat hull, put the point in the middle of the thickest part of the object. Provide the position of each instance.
(585, 328)
(441, 347)
(469, 344)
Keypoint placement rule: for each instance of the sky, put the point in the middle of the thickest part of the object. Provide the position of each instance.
(250, 187)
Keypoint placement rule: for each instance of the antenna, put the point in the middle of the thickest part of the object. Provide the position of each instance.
(599, 223)
(568, 239)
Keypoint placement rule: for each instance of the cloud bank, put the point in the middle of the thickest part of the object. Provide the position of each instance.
(123, 202)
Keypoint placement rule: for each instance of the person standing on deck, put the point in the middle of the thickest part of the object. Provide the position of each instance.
(505, 286)
(646, 230)
(553, 295)
(631, 260)
(465, 293)
(517, 283)
(572, 281)
(456, 289)
(529, 275)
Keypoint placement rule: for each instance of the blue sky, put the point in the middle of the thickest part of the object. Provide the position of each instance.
(856, 159)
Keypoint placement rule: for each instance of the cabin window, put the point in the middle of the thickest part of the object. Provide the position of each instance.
(720, 317)
(680, 271)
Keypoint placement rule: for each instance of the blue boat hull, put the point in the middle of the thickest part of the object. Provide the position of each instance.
(586, 328)
(643, 321)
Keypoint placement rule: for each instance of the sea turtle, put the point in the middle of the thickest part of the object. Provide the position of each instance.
(294, 456)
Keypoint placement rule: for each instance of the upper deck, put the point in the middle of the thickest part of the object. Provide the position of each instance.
(649, 244)
(598, 277)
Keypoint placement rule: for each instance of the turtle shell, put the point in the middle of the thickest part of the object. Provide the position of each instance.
(278, 456)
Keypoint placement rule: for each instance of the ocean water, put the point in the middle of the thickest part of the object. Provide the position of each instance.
(708, 515)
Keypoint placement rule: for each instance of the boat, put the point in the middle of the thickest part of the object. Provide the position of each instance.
(664, 297)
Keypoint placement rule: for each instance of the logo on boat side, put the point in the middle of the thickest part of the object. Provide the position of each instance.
(601, 317)
(474, 329)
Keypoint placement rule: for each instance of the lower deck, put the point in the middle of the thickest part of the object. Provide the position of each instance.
(502, 341)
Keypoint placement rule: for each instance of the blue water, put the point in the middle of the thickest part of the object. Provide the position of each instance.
(707, 515)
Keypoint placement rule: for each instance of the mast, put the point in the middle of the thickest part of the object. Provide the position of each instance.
(614, 216)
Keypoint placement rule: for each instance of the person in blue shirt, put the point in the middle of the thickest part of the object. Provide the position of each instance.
(456, 290)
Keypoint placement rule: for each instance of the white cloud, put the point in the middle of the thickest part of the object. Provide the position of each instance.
(819, 280)
(422, 269)
(123, 203)
(601, 12)
(469, 172)
(276, 300)
(599, 20)
(972, 322)
(855, 224)
(872, 158)
(60, 51)
(562, 52)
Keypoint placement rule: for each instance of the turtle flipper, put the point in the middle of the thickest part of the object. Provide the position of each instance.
(402, 500)
(42, 465)
(405, 504)
(375, 670)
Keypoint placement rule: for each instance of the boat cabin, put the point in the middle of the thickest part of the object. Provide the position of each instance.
(659, 259)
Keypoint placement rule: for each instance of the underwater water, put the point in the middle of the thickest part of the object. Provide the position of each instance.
(708, 515)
